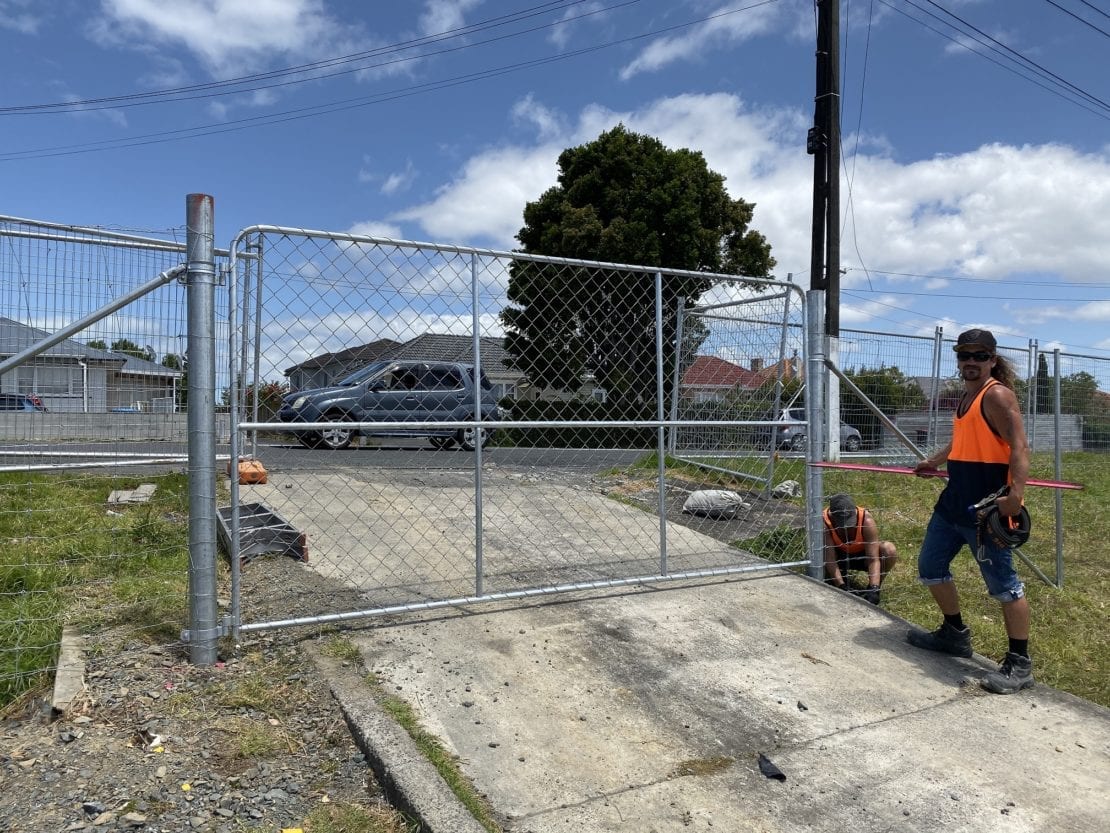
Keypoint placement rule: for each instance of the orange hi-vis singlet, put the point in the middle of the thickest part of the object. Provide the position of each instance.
(978, 464)
(849, 547)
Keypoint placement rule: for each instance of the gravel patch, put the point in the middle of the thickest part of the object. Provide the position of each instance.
(155, 744)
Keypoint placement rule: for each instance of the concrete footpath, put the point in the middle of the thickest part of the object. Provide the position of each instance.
(648, 711)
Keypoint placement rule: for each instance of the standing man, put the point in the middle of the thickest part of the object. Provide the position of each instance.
(988, 451)
(852, 543)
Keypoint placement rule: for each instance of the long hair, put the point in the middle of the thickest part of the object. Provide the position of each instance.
(1003, 371)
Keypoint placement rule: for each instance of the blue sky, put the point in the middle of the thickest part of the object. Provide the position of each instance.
(978, 173)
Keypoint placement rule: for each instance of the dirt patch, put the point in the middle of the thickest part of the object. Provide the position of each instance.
(154, 743)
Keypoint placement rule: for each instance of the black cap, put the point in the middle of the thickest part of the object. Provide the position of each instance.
(984, 338)
(842, 510)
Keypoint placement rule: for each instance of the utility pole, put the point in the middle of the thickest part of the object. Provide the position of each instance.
(823, 142)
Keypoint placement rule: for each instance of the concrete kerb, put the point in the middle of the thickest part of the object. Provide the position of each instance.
(408, 779)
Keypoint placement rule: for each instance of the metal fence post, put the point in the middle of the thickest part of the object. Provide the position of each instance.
(815, 396)
(1058, 468)
(201, 421)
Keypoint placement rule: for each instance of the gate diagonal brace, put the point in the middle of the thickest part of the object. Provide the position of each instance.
(261, 531)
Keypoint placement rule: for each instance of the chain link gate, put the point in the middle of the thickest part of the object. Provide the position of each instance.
(348, 345)
(741, 360)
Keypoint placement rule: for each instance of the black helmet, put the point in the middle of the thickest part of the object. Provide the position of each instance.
(1003, 531)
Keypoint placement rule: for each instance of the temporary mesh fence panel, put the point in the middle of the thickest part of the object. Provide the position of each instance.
(418, 475)
(93, 489)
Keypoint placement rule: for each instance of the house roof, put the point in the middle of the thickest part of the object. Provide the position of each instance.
(15, 337)
(433, 347)
(452, 348)
(362, 355)
(133, 366)
(711, 372)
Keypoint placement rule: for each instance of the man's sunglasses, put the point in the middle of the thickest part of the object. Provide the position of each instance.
(978, 355)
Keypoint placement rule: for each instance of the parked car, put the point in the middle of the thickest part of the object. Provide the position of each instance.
(793, 435)
(21, 402)
(396, 391)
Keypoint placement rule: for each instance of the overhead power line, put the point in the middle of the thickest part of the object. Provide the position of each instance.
(305, 73)
(1096, 8)
(1022, 69)
(1017, 55)
(1082, 20)
(236, 125)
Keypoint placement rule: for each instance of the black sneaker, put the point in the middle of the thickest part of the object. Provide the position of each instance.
(946, 639)
(1015, 673)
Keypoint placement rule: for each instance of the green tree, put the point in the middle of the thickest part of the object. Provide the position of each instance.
(1077, 394)
(888, 388)
(130, 348)
(1045, 389)
(98, 344)
(622, 198)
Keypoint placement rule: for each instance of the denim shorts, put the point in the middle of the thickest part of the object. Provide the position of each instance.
(943, 539)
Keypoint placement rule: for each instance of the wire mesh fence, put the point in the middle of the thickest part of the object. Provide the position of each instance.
(84, 424)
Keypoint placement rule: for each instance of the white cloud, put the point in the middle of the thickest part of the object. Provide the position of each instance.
(987, 213)
(486, 200)
(22, 16)
(228, 37)
(110, 114)
(547, 122)
(444, 15)
(731, 23)
(573, 18)
(399, 181)
(370, 228)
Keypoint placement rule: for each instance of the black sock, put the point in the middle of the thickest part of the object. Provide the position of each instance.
(955, 620)
(1020, 647)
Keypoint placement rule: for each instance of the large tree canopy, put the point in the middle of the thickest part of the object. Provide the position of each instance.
(622, 198)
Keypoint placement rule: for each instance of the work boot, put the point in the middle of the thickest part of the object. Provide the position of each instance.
(1015, 673)
(946, 639)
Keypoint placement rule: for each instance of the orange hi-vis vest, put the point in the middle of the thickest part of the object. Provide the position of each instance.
(978, 464)
(849, 547)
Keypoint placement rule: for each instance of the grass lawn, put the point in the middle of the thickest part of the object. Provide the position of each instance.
(68, 557)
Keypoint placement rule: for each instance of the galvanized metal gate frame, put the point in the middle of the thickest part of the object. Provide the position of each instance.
(244, 322)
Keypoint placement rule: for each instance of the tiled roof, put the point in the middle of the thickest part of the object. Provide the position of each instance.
(451, 348)
(713, 372)
(350, 356)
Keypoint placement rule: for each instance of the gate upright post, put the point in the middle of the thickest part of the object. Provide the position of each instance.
(201, 421)
(815, 397)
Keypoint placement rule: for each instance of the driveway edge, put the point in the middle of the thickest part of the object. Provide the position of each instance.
(407, 778)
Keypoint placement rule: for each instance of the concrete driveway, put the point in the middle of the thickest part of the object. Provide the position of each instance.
(646, 710)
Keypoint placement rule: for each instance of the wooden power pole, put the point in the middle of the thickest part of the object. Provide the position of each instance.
(824, 143)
